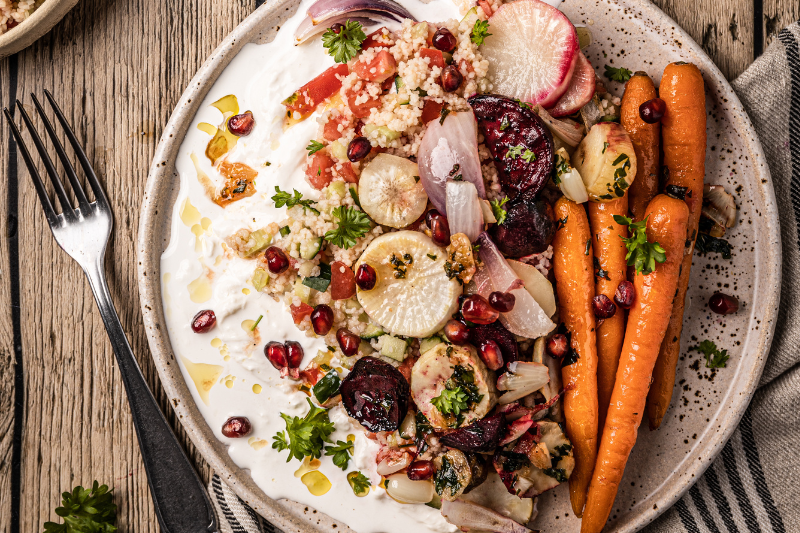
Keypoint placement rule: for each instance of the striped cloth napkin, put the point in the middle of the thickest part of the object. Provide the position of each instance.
(754, 484)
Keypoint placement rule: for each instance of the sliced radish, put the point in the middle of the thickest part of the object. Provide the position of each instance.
(580, 90)
(532, 51)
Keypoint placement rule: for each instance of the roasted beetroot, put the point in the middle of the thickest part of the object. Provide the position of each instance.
(481, 436)
(528, 229)
(499, 334)
(376, 394)
(520, 143)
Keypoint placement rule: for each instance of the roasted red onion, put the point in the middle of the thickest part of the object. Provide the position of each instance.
(325, 13)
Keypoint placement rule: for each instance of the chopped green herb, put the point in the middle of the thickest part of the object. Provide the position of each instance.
(504, 124)
(320, 283)
(514, 152)
(559, 474)
(642, 254)
(314, 147)
(352, 225)
(605, 145)
(283, 198)
(344, 46)
(561, 222)
(620, 74)
(341, 453)
(284, 231)
(451, 401)
(432, 256)
(443, 114)
(588, 246)
(354, 194)
(421, 92)
(304, 437)
(528, 156)
(255, 324)
(706, 243)
(480, 31)
(715, 358)
(497, 209)
(446, 477)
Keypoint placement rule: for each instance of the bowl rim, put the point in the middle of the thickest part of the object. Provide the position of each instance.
(151, 235)
(35, 26)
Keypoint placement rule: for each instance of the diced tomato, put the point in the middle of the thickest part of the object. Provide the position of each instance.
(318, 170)
(378, 39)
(306, 99)
(331, 130)
(464, 65)
(386, 86)
(487, 9)
(435, 56)
(343, 281)
(379, 68)
(431, 109)
(345, 170)
(362, 109)
(311, 375)
(299, 312)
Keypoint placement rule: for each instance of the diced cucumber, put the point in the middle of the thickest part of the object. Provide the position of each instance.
(337, 188)
(393, 347)
(338, 150)
(260, 279)
(309, 249)
(398, 82)
(426, 344)
(471, 16)
(260, 239)
(382, 131)
(372, 332)
(420, 31)
(302, 291)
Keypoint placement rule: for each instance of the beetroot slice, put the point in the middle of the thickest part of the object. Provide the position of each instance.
(509, 126)
(481, 436)
(376, 394)
(496, 332)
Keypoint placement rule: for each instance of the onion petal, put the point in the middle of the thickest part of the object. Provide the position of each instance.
(464, 209)
(719, 206)
(566, 129)
(307, 29)
(470, 515)
(522, 378)
(450, 148)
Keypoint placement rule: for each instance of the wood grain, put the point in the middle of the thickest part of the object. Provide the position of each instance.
(118, 67)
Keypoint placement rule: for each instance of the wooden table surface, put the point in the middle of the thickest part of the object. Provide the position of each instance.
(118, 67)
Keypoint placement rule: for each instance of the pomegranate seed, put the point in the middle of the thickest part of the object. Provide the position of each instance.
(652, 111)
(476, 309)
(491, 355)
(204, 321)
(348, 341)
(358, 149)
(337, 28)
(366, 277)
(419, 470)
(451, 78)
(603, 307)
(241, 125)
(276, 353)
(625, 295)
(502, 301)
(322, 319)
(277, 261)
(723, 304)
(236, 427)
(440, 229)
(557, 345)
(444, 40)
(295, 354)
(456, 332)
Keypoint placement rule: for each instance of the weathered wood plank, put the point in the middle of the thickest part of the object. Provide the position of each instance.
(724, 28)
(777, 15)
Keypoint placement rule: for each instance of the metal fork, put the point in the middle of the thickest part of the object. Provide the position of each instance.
(181, 502)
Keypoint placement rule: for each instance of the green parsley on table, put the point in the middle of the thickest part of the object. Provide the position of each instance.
(304, 437)
(360, 483)
(85, 511)
(715, 358)
(641, 253)
(497, 209)
(283, 198)
(451, 401)
(352, 225)
(620, 74)
(314, 147)
(344, 46)
(341, 453)
(480, 31)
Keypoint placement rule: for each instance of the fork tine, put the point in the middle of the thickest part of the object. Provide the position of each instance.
(49, 212)
(66, 207)
(99, 194)
(73, 178)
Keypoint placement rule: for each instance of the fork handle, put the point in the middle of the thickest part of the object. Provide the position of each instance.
(180, 499)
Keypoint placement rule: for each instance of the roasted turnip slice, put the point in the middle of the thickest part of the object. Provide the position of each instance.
(519, 141)
(580, 90)
(532, 51)
(481, 436)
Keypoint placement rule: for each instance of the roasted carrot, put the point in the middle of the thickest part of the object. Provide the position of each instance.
(645, 139)
(647, 323)
(572, 264)
(684, 138)
(610, 269)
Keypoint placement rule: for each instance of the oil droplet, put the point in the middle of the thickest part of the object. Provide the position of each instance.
(205, 222)
(257, 388)
(351, 480)
(248, 324)
(229, 383)
(256, 443)
(218, 260)
(226, 358)
(223, 351)
(203, 375)
(227, 104)
(189, 213)
(197, 229)
(245, 291)
(203, 178)
(167, 277)
(316, 482)
(200, 289)
(307, 465)
(207, 128)
(216, 342)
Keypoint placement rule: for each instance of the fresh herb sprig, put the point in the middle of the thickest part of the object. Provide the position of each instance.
(498, 210)
(451, 401)
(341, 453)
(620, 74)
(283, 198)
(715, 358)
(344, 46)
(352, 225)
(642, 254)
(314, 147)
(85, 511)
(360, 483)
(480, 31)
(306, 436)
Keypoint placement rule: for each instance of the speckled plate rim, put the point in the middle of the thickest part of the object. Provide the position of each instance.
(161, 190)
(34, 27)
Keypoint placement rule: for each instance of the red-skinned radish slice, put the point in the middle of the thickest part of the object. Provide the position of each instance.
(580, 90)
(532, 52)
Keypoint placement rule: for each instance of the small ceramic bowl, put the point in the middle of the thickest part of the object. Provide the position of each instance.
(40, 22)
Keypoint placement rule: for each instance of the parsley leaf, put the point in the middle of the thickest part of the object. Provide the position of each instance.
(514, 152)
(304, 437)
(283, 198)
(341, 453)
(85, 511)
(528, 156)
(480, 31)
(641, 253)
(314, 147)
(353, 224)
(359, 482)
(451, 401)
(715, 358)
(497, 209)
(620, 74)
(343, 46)
(504, 124)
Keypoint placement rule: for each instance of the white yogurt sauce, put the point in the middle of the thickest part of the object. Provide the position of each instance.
(196, 276)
